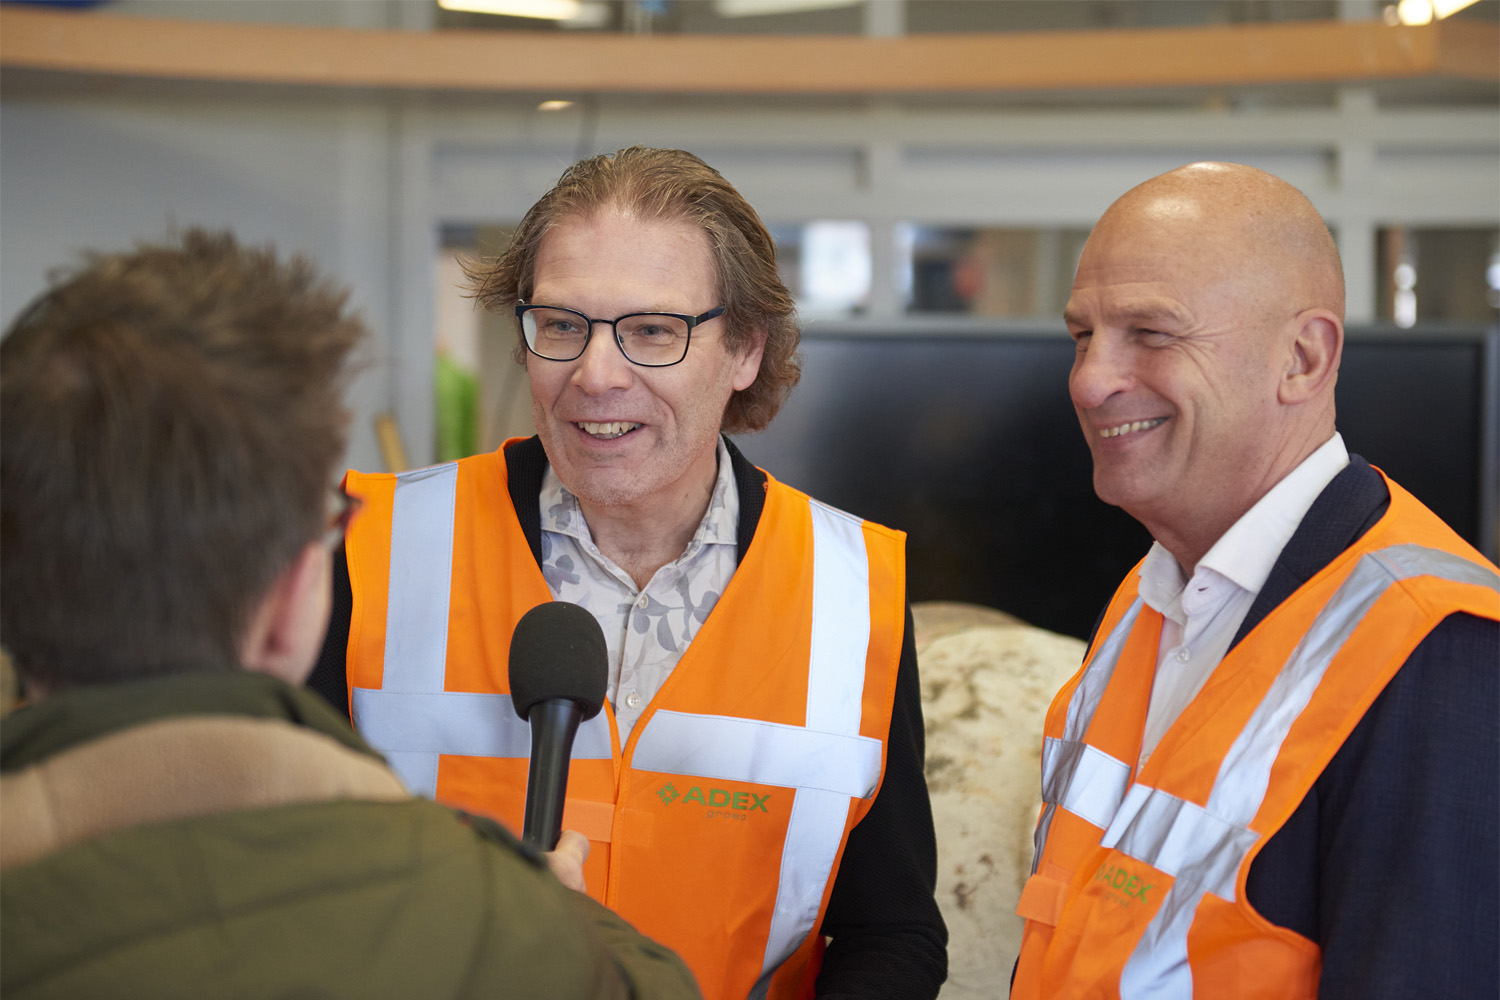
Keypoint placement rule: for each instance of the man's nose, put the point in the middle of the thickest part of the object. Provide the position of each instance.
(1100, 369)
(602, 366)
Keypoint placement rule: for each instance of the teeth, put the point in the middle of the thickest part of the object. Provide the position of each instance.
(1139, 425)
(610, 430)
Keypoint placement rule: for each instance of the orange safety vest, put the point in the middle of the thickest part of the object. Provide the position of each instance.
(1138, 887)
(782, 700)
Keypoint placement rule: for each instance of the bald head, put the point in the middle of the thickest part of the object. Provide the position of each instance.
(1208, 312)
(1257, 227)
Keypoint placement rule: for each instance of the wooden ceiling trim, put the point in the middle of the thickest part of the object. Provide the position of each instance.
(524, 62)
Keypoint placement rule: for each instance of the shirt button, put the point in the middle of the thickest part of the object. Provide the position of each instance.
(1183, 655)
(643, 602)
(632, 700)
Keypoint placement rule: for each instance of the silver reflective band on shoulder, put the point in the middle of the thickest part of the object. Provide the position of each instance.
(764, 753)
(416, 626)
(411, 719)
(1099, 790)
(835, 690)
(841, 608)
(1090, 690)
(1204, 847)
(416, 617)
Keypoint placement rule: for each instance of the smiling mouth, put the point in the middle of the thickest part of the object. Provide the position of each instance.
(606, 431)
(1130, 428)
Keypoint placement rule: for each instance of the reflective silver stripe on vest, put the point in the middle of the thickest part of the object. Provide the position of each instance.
(416, 625)
(1095, 793)
(835, 689)
(1203, 847)
(413, 721)
(1084, 780)
(841, 608)
(410, 719)
(464, 723)
(765, 753)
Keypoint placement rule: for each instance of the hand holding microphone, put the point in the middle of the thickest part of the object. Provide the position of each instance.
(558, 672)
(567, 858)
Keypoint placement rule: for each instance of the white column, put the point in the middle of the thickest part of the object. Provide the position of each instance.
(1355, 172)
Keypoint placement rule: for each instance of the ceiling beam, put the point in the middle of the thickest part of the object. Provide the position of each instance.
(547, 62)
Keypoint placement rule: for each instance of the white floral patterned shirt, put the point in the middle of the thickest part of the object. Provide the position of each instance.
(648, 629)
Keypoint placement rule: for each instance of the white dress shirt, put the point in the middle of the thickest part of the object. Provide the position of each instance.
(647, 629)
(1204, 613)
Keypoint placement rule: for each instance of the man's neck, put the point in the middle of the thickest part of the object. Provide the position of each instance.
(1199, 535)
(642, 538)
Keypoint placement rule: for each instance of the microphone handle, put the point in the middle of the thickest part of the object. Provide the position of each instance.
(554, 723)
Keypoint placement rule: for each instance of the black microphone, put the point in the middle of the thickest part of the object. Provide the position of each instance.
(559, 668)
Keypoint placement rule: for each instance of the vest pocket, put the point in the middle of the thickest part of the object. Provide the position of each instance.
(1044, 893)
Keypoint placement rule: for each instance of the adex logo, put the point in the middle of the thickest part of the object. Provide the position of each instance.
(718, 803)
(1123, 887)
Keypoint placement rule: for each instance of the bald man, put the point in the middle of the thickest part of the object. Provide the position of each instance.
(1276, 773)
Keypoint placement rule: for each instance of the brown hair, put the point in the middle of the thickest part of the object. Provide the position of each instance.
(170, 420)
(669, 184)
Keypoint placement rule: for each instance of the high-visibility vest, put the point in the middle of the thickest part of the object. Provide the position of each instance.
(1138, 883)
(782, 700)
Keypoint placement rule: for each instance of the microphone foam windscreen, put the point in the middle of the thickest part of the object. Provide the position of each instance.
(558, 651)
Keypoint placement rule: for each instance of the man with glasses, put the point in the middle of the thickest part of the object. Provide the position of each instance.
(178, 817)
(754, 787)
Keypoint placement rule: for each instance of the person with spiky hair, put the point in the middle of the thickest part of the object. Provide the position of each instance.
(178, 816)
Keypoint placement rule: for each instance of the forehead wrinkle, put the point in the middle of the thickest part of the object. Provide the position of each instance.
(1148, 312)
(1135, 311)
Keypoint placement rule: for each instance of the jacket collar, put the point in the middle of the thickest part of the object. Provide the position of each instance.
(70, 718)
(1347, 508)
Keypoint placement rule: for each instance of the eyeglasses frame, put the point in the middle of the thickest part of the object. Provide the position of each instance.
(691, 321)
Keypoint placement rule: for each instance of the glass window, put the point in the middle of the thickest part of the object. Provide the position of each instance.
(826, 266)
(1439, 275)
(1025, 273)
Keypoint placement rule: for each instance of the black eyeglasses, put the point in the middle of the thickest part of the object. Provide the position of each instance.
(652, 340)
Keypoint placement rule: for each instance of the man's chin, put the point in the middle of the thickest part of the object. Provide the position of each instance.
(600, 488)
(1118, 488)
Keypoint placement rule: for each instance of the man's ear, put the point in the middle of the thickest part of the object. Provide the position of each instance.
(286, 629)
(1312, 367)
(747, 362)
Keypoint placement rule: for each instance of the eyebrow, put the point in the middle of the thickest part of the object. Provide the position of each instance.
(1142, 313)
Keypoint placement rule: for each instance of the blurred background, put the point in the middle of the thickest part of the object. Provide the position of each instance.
(929, 168)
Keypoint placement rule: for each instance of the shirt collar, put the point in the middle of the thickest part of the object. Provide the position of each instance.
(1162, 582)
(1245, 553)
(562, 514)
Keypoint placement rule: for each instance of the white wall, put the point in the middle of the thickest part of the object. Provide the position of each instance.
(103, 174)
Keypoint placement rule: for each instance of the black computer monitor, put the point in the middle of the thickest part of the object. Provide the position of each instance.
(967, 441)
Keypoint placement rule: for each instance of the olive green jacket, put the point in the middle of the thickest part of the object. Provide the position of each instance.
(224, 835)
